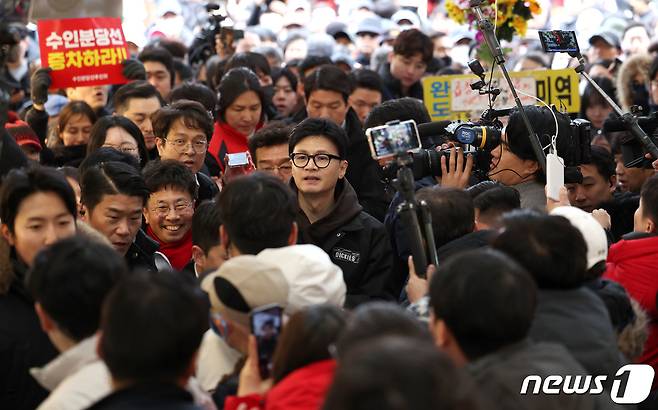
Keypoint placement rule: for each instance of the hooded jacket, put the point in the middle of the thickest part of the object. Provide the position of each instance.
(22, 342)
(355, 241)
(630, 92)
(363, 172)
(633, 263)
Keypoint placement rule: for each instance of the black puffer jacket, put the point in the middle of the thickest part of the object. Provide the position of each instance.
(363, 172)
(356, 242)
(22, 342)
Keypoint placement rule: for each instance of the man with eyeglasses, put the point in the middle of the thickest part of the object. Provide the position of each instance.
(182, 132)
(269, 150)
(170, 208)
(330, 216)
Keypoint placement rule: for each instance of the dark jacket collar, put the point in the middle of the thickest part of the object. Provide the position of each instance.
(152, 395)
(394, 86)
(345, 209)
(638, 235)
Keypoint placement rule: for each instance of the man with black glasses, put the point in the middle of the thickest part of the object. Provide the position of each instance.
(182, 132)
(329, 214)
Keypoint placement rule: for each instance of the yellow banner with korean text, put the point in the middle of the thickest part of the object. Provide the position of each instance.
(450, 97)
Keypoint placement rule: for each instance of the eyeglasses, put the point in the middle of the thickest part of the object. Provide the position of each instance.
(180, 145)
(320, 160)
(285, 168)
(180, 207)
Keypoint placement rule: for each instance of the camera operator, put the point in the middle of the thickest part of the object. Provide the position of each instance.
(456, 176)
(513, 162)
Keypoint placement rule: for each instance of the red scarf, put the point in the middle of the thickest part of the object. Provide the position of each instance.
(179, 253)
(226, 140)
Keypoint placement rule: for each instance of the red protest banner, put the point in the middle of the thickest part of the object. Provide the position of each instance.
(83, 51)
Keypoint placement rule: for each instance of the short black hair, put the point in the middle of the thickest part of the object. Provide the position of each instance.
(288, 74)
(195, 92)
(111, 178)
(376, 320)
(396, 372)
(486, 299)
(107, 154)
(135, 89)
(193, 114)
(205, 226)
(274, 133)
(604, 162)
(258, 211)
(175, 47)
(183, 70)
(591, 97)
(19, 184)
(494, 202)
(253, 61)
(160, 55)
(453, 214)
(368, 79)
(322, 127)
(152, 325)
(311, 62)
(170, 173)
(413, 41)
(402, 109)
(328, 78)
(649, 197)
(104, 124)
(552, 250)
(544, 125)
(72, 293)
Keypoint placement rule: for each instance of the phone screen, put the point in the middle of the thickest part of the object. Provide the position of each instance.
(559, 41)
(238, 159)
(388, 140)
(266, 323)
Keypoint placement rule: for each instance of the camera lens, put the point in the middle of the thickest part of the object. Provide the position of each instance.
(479, 136)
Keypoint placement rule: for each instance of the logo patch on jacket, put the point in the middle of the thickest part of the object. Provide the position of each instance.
(346, 255)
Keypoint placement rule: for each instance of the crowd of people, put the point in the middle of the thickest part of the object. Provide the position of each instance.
(146, 227)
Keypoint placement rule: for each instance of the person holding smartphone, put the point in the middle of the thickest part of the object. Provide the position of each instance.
(302, 366)
(247, 296)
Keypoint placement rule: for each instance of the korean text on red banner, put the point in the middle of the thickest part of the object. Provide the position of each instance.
(83, 51)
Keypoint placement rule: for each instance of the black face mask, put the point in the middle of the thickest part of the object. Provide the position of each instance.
(641, 97)
(446, 61)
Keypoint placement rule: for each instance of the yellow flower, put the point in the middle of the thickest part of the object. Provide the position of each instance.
(534, 6)
(520, 25)
(454, 12)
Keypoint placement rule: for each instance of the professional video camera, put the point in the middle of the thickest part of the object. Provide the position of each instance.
(632, 151)
(219, 24)
(395, 138)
